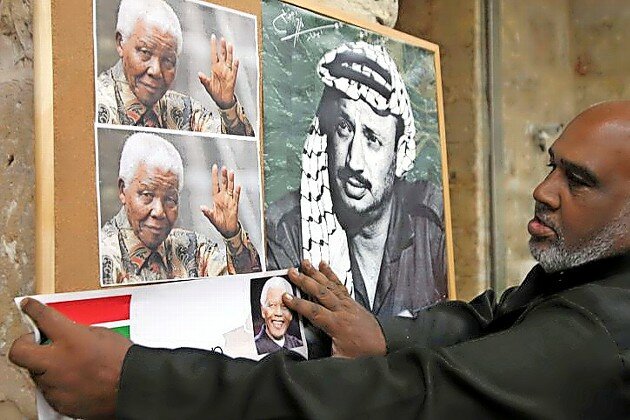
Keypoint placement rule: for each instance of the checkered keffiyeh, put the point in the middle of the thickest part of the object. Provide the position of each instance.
(361, 71)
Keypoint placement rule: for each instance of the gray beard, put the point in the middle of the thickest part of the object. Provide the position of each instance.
(558, 256)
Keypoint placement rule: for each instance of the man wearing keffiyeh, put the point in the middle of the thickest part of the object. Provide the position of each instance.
(383, 235)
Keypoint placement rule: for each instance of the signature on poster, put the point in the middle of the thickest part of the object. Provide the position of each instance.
(290, 26)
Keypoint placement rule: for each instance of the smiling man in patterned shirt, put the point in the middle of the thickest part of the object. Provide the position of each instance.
(135, 91)
(140, 243)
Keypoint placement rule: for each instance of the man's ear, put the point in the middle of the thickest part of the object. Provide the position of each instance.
(121, 190)
(119, 42)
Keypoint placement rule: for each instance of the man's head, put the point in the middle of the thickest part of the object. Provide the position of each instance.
(582, 208)
(277, 317)
(150, 177)
(365, 114)
(148, 41)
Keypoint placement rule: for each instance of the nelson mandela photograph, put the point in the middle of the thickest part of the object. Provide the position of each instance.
(353, 161)
(176, 206)
(178, 65)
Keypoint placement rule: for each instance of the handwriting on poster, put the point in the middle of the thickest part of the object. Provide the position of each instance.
(290, 26)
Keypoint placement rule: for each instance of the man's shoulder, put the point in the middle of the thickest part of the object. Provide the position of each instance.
(109, 235)
(608, 301)
(422, 199)
(286, 210)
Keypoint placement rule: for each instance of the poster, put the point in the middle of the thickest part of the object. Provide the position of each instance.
(354, 161)
(215, 314)
(177, 142)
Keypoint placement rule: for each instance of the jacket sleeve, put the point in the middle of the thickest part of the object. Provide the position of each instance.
(558, 362)
(440, 325)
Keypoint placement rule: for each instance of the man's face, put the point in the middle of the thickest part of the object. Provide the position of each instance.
(361, 156)
(277, 316)
(149, 59)
(151, 202)
(582, 209)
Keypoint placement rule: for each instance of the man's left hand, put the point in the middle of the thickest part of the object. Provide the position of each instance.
(354, 330)
(222, 80)
(79, 371)
(225, 197)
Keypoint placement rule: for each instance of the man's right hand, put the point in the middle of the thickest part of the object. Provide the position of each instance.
(354, 331)
(79, 371)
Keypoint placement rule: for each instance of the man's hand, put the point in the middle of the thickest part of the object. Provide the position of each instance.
(354, 331)
(224, 212)
(79, 371)
(220, 85)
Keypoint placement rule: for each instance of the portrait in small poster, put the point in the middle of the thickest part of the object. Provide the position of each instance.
(178, 65)
(176, 206)
(354, 160)
(276, 327)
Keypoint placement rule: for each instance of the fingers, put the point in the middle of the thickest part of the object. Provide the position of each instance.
(235, 67)
(205, 80)
(214, 57)
(317, 314)
(215, 180)
(28, 354)
(208, 212)
(327, 271)
(314, 288)
(237, 193)
(224, 178)
(230, 183)
(230, 55)
(48, 320)
(223, 55)
(332, 284)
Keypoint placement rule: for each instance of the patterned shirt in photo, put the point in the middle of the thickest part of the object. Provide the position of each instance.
(183, 254)
(117, 104)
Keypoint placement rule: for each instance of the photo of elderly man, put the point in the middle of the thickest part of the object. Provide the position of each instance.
(141, 241)
(273, 334)
(137, 85)
(355, 208)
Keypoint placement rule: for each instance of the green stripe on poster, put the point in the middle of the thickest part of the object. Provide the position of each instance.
(122, 330)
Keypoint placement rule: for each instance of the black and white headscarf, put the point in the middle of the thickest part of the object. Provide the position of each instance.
(365, 72)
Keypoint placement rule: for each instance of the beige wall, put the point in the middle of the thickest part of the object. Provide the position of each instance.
(557, 58)
(456, 26)
(536, 89)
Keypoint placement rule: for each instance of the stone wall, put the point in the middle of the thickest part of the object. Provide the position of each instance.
(557, 58)
(16, 196)
(536, 90)
(456, 27)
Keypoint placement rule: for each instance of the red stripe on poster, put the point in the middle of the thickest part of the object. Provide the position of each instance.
(95, 311)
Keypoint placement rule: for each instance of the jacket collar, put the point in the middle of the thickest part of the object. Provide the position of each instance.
(127, 100)
(137, 251)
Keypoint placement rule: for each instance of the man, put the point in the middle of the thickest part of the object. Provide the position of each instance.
(135, 91)
(273, 335)
(555, 347)
(384, 235)
(140, 243)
